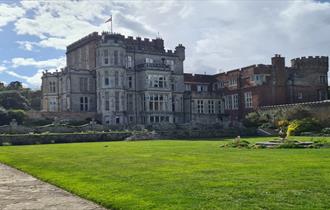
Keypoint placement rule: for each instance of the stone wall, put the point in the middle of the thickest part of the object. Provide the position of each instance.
(319, 109)
(74, 116)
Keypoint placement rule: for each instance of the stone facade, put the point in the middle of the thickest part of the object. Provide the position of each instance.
(126, 80)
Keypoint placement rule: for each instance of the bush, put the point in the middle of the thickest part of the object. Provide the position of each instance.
(237, 144)
(17, 114)
(40, 122)
(296, 127)
(326, 131)
(3, 116)
(282, 123)
(254, 119)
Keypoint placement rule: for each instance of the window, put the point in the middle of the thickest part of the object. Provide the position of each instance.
(117, 120)
(52, 87)
(84, 104)
(215, 87)
(173, 104)
(300, 95)
(187, 87)
(228, 102)
(115, 55)
(130, 82)
(219, 107)
(116, 79)
(170, 63)
(211, 106)
(233, 82)
(322, 95)
(121, 59)
(130, 102)
(157, 102)
(83, 84)
(221, 84)
(157, 81)
(149, 60)
(201, 88)
(107, 101)
(248, 99)
(117, 101)
(200, 106)
(235, 101)
(105, 56)
(106, 78)
(323, 79)
(129, 62)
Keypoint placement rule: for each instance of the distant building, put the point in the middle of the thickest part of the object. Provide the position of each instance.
(232, 94)
(136, 81)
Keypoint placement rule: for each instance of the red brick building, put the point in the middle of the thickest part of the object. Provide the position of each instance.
(210, 98)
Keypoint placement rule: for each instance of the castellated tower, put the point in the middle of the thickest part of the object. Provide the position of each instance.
(279, 79)
(110, 75)
(309, 78)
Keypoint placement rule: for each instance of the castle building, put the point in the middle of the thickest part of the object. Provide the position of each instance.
(136, 81)
(123, 80)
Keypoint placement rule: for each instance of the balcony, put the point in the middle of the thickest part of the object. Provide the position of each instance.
(153, 66)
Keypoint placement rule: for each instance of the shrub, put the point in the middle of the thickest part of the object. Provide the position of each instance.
(35, 122)
(237, 144)
(17, 114)
(254, 119)
(3, 116)
(296, 127)
(326, 131)
(282, 123)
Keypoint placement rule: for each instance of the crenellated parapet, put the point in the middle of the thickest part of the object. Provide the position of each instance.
(310, 61)
(136, 43)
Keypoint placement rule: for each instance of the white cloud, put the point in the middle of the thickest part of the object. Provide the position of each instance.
(217, 34)
(26, 45)
(9, 13)
(58, 24)
(50, 63)
(33, 81)
(2, 68)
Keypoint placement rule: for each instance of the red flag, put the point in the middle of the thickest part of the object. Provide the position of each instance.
(109, 20)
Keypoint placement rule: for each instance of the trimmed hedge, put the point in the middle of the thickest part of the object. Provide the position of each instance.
(27, 139)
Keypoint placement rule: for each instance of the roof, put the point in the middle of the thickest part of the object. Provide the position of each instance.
(198, 78)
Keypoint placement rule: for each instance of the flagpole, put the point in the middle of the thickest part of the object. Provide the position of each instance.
(111, 23)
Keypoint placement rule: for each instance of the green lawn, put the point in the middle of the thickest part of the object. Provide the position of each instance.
(181, 174)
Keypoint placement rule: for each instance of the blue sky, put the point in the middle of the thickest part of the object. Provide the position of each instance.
(218, 35)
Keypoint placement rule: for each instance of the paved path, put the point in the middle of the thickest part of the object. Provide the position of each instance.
(20, 191)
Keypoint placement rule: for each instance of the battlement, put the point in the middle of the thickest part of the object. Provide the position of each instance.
(137, 43)
(90, 37)
(46, 73)
(310, 61)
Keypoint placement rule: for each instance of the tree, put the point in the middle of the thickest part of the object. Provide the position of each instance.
(15, 85)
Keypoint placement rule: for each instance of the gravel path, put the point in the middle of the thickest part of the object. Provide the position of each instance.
(20, 191)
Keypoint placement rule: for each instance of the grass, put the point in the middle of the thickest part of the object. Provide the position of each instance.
(181, 174)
